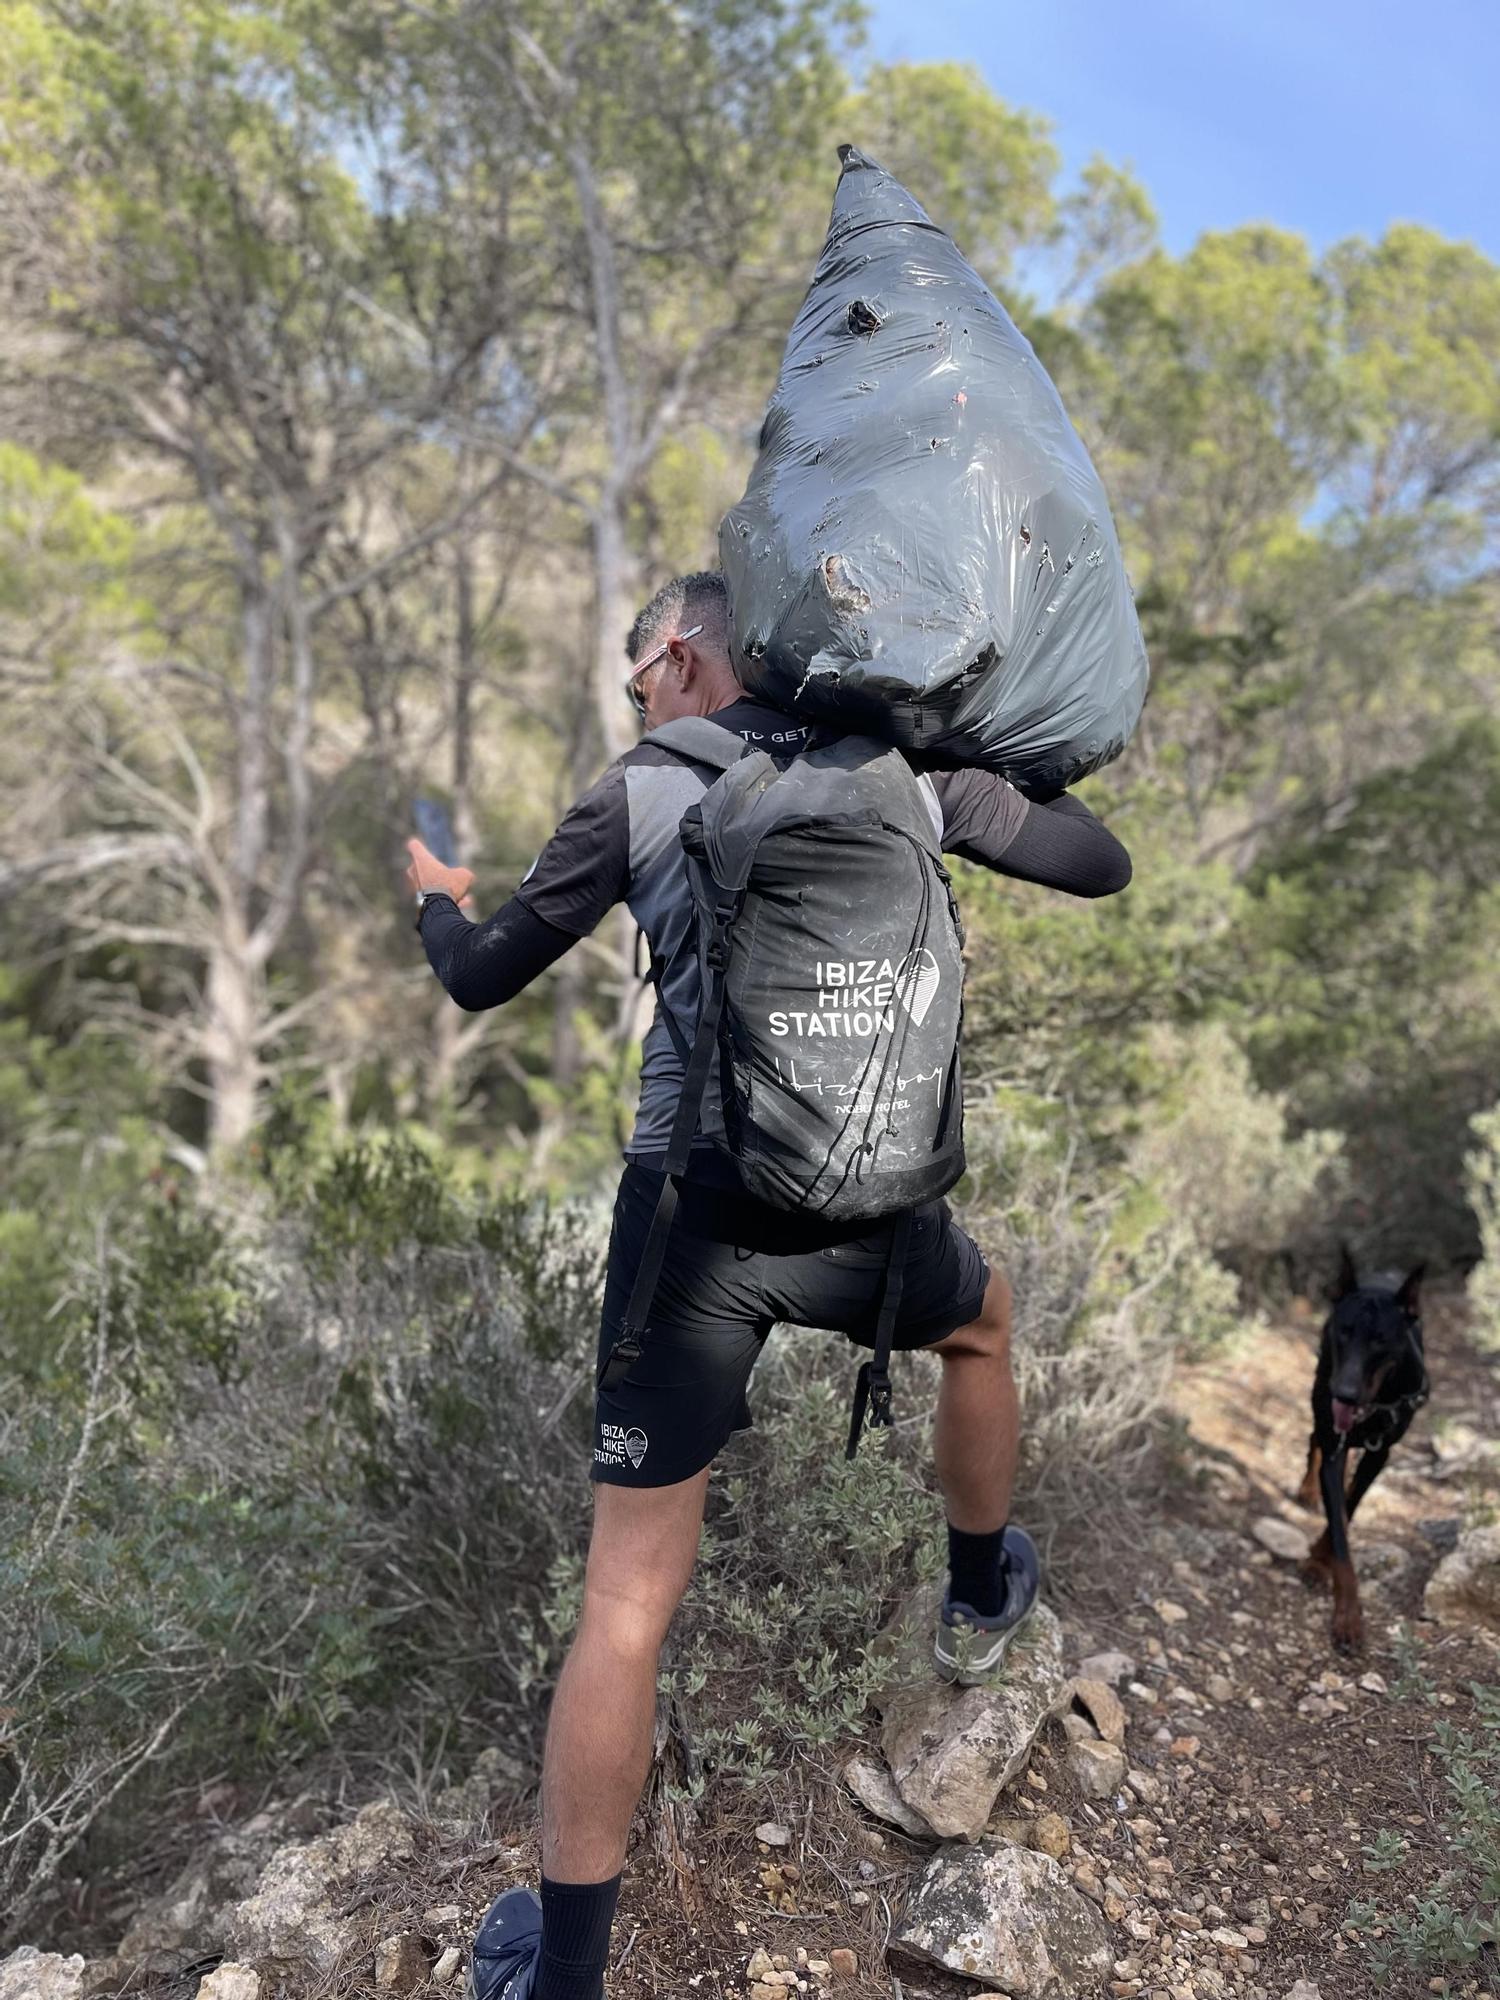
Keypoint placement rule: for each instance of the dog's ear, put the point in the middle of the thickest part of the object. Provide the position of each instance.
(1410, 1294)
(1347, 1280)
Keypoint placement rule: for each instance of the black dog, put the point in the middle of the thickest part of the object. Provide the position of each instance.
(1370, 1383)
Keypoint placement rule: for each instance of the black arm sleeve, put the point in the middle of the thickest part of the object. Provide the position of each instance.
(484, 965)
(1059, 843)
(1063, 846)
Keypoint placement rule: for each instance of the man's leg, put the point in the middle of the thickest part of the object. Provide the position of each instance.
(641, 1555)
(994, 1572)
(977, 1430)
(603, 1717)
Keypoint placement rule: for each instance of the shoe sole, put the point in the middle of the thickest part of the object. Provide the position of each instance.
(975, 1667)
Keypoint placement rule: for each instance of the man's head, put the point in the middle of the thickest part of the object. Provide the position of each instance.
(679, 650)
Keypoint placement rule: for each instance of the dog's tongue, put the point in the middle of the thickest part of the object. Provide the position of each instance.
(1344, 1415)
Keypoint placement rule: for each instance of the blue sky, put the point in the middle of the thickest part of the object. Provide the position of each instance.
(1330, 117)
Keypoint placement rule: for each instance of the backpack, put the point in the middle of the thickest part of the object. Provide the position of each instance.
(831, 976)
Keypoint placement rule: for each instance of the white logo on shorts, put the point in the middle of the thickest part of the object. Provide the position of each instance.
(635, 1446)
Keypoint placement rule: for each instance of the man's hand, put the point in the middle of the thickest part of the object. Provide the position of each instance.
(427, 872)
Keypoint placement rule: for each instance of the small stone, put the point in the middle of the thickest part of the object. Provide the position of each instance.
(1310, 1916)
(1111, 1668)
(844, 1962)
(773, 1834)
(1303, 1990)
(1283, 1538)
(1184, 1746)
(1228, 1940)
(443, 1913)
(1098, 1768)
(400, 1964)
(759, 1966)
(1146, 1788)
(1168, 1612)
(231, 1981)
(1050, 1835)
(764, 1990)
(1220, 1688)
(820, 1968)
(447, 1965)
(1099, 1702)
(1374, 1683)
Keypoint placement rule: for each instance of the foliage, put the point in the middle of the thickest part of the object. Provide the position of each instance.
(1441, 1926)
(1483, 1185)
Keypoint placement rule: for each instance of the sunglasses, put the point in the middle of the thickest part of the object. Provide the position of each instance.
(633, 679)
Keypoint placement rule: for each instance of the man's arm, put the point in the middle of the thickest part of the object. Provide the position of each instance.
(1059, 844)
(582, 872)
(484, 965)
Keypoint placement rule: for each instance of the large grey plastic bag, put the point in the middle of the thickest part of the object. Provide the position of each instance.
(925, 551)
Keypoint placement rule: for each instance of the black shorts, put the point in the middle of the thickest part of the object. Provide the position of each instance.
(733, 1268)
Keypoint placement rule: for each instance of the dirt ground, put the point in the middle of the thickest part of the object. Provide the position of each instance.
(1270, 1760)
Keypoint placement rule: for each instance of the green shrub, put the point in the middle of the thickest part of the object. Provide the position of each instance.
(1482, 1185)
(1451, 1921)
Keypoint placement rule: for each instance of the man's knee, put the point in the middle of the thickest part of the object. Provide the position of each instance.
(988, 1333)
(641, 1557)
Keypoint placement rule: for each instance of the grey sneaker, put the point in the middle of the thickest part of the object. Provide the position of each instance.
(970, 1648)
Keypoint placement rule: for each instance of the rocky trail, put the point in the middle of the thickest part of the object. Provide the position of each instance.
(1183, 1800)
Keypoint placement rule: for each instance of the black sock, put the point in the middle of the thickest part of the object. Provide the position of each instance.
(576, 1921)
(977, 1567)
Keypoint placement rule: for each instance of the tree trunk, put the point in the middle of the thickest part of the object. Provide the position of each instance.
(234, 1002)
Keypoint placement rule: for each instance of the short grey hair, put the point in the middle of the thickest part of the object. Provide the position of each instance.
(701, 598)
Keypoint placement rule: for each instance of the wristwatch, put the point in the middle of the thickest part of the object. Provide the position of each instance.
(425, 896)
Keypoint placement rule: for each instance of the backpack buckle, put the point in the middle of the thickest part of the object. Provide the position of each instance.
(717, 950)
(880, 1400)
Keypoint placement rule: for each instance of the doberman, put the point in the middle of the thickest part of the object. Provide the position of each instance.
(1371, 1380)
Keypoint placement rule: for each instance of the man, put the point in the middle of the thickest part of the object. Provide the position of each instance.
(732, 1269)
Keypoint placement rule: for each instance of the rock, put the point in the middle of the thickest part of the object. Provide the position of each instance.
(1048, 1833)
(1303, 1990)
(448, 1963)
(1442, 1530)
(1111, 1668)
(1099, 1702)
(1051, 1835)
(186, 1921)
(440, 1914)
(29, 1974)
(1220, 1688)
(845, 1963)
(875, 1788)
(1077, 1728)
(1374, 1683)
(1098, 1768)
(291, 1914)
(1009, 1917)
(1283, 1538)
(1379, 1562)
(1464, 1589)
(773, 1834)
(230, 1981)
(760, 1966)
(952, 1750)
(400, 1965)
(1168, 1612)
(1146, 1788)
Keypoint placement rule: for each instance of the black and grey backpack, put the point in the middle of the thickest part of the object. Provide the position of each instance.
(831, 964)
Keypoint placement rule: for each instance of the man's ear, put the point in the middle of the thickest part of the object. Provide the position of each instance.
(1347, 1280)
(1410, 1294)
(683, 657)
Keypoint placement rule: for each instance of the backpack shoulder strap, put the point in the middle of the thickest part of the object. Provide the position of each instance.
(700, 740)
